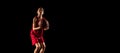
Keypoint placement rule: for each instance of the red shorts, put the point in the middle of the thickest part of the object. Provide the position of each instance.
(35, 39)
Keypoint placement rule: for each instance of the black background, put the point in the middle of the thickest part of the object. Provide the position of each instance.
(74, 26)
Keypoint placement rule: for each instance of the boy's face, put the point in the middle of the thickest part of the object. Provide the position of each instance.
(40, 11)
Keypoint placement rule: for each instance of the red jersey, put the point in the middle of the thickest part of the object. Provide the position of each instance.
(37, 35)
